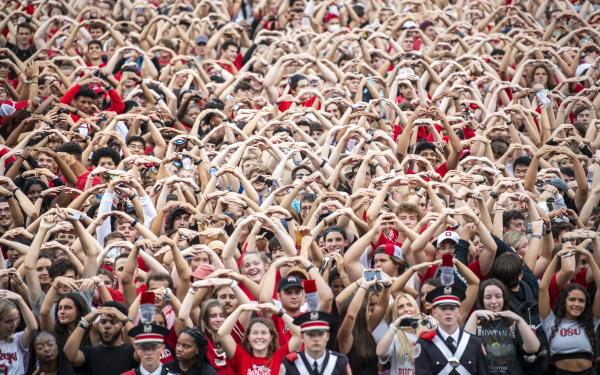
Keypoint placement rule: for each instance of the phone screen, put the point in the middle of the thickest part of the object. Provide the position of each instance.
(370, 275)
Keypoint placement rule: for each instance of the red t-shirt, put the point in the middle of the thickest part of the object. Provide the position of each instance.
(554, 290)
(82, 179)
(245, 364)
(284, 106)
(282, 330)
(441, 170)
(117, 295)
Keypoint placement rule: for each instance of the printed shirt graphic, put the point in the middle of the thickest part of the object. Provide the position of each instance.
(12, 356)
(245, 364)
(500, 346)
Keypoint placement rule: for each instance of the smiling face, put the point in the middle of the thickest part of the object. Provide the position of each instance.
(215, 318)
(493, 299)
(41, 267)
(574, 304)
(5, 220)
(335, 241)
(405, 307)
(34, 192)
(254, 267)
(259, 337)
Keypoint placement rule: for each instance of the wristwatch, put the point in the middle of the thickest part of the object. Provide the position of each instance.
(281, 312)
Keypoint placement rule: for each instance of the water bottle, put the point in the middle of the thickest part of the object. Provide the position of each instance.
(146, 313)
(312, 297)
(543, 99)
(147, 308)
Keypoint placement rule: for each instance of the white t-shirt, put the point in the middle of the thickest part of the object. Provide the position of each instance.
(13, 356)
(403, 365)
(569, 338)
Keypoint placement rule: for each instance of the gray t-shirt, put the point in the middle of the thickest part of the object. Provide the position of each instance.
(570, 336)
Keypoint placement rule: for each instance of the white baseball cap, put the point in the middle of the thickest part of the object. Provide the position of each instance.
(448, 235)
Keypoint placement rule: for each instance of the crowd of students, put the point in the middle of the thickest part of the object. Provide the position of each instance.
(187, 186)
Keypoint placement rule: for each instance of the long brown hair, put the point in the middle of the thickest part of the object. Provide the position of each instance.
(204, 313)
(273, 345)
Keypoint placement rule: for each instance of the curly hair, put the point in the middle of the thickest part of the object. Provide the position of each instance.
(585, 320)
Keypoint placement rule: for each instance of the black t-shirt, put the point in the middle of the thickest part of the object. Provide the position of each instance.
(199, 368)
(106, 360)
(22, 54)
(501, 347)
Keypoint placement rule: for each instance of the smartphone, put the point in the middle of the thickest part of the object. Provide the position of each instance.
(187, 164)
(372, 275)
(113, 253)
(148, 298)
(447, 260)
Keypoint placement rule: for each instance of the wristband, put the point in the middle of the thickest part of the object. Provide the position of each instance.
(134, 222)
(539, 236)
(234, 284)
(281, 312)
(83, 323)
(310, 268)
(323, 162)
(133, 196)
(126, 320)
(394, 328)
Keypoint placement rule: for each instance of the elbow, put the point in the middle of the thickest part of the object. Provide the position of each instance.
(126, 278)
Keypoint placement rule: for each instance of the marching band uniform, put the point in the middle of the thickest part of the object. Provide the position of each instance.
(457, 353)
(328, 363)
(149, 334)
